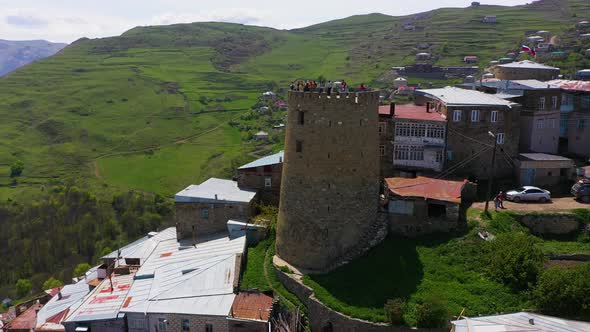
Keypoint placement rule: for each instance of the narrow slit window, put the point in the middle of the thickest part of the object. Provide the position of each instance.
(300, 118)
(298, 146)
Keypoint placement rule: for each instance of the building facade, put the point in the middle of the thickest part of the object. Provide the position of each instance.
(471, 117)
(204, 209)
(263, 175)
(525, 70)
(330, 184)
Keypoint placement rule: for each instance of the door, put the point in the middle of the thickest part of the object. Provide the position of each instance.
(528, 176)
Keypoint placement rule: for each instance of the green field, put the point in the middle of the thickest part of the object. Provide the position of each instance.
(148, 110)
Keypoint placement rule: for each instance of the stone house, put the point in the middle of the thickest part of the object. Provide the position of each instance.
(471, 115)
(264, 176)
(250, 312)
(204, 209)
(423, 56)
(412, 138)
(424, 205)
(540, 111)
(525, 70)
(543, 170)
(490, 19)
(470, 59)
(575, 116)
(261, 136)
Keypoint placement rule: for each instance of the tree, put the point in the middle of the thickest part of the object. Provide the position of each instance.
(52, 283)
(564, 291)
(16, 169)
(81, 269)
(23, 287)
(432, 313)
(394, 310)
(515, 259)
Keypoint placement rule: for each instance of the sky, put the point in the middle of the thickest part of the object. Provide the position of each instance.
(68, 20)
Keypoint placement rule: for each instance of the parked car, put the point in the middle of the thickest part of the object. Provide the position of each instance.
(528, 193)
(581, 190)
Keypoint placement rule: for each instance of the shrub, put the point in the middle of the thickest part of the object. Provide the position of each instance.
(52, 283)
(394, 311)
(16, 169)
(515, 259)
(23, 287)
(503, 222)
(564, 291)
(82, 268)
(431, 313)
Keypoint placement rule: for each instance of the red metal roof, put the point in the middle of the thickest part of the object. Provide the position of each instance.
(253, 306)
(27, 320)
(384, 110)
(53, 291)
(424, 187)
(572, 85)
(413, 112)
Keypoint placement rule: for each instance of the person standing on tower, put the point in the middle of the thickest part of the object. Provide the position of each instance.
(329, 87)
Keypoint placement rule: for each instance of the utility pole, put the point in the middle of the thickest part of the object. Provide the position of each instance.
(491, 172)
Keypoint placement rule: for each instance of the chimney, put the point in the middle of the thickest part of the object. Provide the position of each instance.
(59, 296)
(427, 107)
(215, 196)
(280, 159)
(392, 109)
(532, 321)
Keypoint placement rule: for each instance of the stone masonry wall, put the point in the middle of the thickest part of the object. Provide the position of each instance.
(189, 214)
(330, 184)
(550, 224)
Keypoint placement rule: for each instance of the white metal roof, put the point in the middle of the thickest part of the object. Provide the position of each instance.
(71, 296)
(527, 64)
(520, 321)
(274, 159)
(143, 247)
(461, 97)
(215, 191)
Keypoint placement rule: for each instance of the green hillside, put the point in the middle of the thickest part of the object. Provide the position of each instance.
(149, 110)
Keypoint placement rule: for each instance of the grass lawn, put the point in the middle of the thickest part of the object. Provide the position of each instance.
(445, 268)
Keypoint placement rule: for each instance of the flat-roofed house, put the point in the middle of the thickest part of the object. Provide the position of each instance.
(263, 175)
(205, 208)
(525, 70)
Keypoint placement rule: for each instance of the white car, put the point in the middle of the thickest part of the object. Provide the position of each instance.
(528, 193)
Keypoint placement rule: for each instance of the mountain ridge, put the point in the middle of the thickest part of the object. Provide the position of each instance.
(17, 53)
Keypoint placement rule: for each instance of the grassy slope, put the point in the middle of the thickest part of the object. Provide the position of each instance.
(125, 112)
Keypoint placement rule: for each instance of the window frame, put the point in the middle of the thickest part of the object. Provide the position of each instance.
(183, 327)
(205, 213)
(500, 138)
(554, 102)
(267, 182)
(475, 119)
(542, 103)
(494, 116)
(457, 115)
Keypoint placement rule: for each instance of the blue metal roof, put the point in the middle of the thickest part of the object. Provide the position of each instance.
(276, 158)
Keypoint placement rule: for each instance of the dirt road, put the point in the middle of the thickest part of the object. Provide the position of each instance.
(556, 204)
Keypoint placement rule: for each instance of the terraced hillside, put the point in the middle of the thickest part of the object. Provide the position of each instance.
(149, 110)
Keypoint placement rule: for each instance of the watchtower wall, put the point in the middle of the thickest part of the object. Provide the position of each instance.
(330, 182)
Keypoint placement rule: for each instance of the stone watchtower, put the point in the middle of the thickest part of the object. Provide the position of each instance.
(330, 183)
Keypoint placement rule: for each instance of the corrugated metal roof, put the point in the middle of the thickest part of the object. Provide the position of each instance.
(528, 65)
(542, 157)
(196, 280)
(274, 159)
(252, 306)
(104, 301)
(215, 191)
(424, 187)
(27, 320)
(461, 97)
(520, 321)
(572, 85)
(415, 112)
(71, 297)
(143, 247)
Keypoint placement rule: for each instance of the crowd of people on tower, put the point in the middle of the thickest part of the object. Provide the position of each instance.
(328, 87)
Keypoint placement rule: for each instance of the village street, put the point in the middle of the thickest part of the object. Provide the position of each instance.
(556, 204)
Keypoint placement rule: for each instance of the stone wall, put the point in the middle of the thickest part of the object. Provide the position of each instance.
(321, 317)
(525, 73)
(196, 322)
(550, 224)
(330, 184)
(114, 325)
(254, 178)
(421, 224)
(190, 214)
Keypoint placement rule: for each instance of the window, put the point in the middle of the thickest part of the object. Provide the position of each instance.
(381, 150)
(439, 156)
(300, 118)
(298, 146)
(542, 103)
(475, 116)
(500, 138)
(581, 123)
(567, 100)
(409, 152)
(437, 210)
(205, 213)
(208, 327)
(268, 182)
(435, 131)
(494, 116)
(449, 155)
(186, 325)
(162, 325)
(585, 102)
(457, 115)
(554, 102)
(540, 123)
(382, 128)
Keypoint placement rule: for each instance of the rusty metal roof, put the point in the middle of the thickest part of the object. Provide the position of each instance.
(572, 85)
(415, 112)
(424, 187)
(27, 320)
(252, 306)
